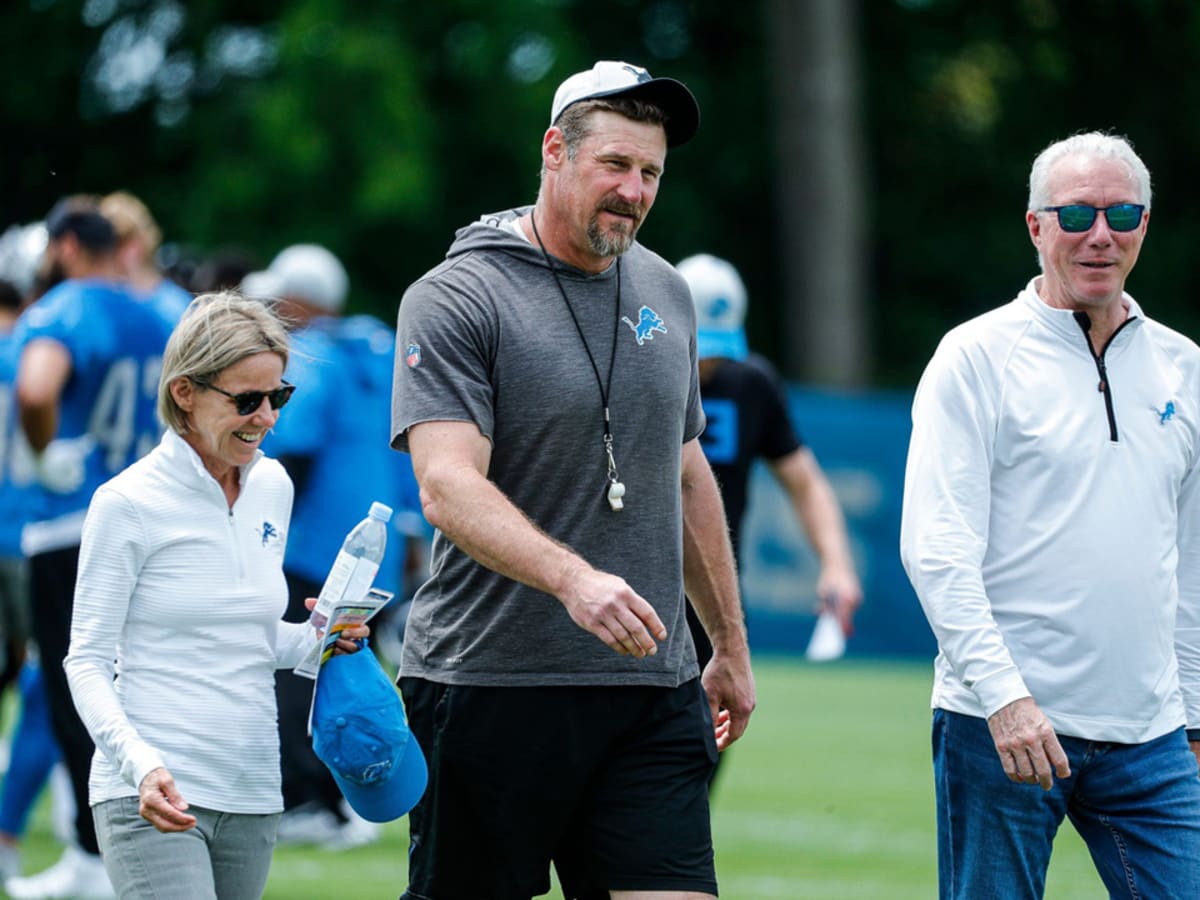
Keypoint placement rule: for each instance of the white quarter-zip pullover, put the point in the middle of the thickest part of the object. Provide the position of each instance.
(1051, 522)
(187, 596)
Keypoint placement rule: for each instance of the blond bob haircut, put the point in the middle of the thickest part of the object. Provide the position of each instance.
(217, 331)
(130, 218)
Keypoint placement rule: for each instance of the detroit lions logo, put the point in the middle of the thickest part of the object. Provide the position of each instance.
(1166, 413)
(648, 322)
(269, 533)
(719, 308)
(640, 74)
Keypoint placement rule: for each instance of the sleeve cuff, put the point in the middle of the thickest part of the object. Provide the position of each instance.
(1193, 734)
(292, 642)
(998, 690)
(141, 764)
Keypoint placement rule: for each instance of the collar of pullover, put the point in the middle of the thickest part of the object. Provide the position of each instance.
(185, 462)
(1063, 323)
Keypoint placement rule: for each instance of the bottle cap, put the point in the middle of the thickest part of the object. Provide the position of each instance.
(380, 511)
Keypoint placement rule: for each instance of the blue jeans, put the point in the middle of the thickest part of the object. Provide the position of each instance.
(226, 856)
(1136, 806)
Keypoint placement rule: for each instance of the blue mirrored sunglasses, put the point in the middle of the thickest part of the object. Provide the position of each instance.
(1077, 217)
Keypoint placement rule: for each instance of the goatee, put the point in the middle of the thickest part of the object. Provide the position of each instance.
(620, 237)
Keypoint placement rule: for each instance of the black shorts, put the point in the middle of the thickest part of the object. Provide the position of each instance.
(610, 784)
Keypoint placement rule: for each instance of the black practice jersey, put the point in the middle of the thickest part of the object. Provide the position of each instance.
(746, 407)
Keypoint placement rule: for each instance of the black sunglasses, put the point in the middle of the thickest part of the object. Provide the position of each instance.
(1077, 217)
(247, 402)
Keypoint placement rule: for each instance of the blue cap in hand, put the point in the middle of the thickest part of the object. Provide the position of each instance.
(359, 731)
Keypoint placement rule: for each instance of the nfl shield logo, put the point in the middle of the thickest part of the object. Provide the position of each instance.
(412, 355)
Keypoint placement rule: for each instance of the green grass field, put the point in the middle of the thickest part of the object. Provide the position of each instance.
(829, 795)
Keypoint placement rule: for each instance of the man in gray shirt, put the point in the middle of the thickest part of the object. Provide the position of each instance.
(546, 388)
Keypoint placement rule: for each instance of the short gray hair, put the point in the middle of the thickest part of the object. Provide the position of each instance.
(1093, 145)
(217, 331)
(576, 120)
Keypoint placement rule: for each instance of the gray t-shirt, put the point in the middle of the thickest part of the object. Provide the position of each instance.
(486, 337)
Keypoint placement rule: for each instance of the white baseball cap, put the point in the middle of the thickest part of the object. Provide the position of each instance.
(303, 272)
(720, 298)
(21, 249)
(612, 79)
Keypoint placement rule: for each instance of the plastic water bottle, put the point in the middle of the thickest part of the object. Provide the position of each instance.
(350, 577)
(368, 539)
(358, 560)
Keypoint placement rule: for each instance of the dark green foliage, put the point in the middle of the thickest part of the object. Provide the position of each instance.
(378, 127)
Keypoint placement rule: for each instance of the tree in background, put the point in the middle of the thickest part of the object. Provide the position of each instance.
(374, 128)
(377, 128)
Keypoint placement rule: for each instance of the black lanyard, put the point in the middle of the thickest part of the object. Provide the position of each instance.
(616, 490)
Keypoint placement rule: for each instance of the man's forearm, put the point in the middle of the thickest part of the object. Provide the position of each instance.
(816, 507)
(475, 514)
(826, 528)
(42, 373)
(472, 512)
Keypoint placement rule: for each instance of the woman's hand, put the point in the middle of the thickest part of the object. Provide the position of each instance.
(348, 637)
(161, 804)
(349, 641)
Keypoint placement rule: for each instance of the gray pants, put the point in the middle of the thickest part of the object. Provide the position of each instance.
(227, 856)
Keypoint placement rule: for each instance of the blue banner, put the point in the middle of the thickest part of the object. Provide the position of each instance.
(860, 439)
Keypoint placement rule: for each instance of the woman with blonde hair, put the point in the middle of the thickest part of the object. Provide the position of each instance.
(181, 582)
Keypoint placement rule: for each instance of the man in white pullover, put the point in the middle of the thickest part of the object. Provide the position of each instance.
(1051, 528)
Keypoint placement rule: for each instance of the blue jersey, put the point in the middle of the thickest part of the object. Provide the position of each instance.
(115, 341)
(372, 345)
(339, 421)
(311, 432)
(169, 300)
(16, 460)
